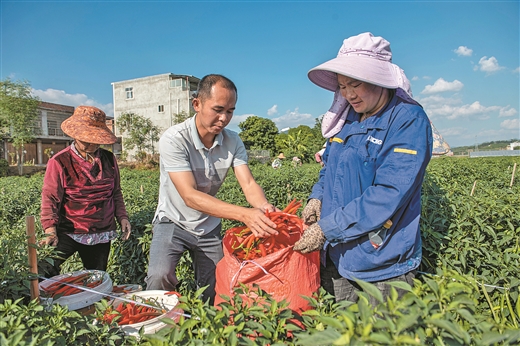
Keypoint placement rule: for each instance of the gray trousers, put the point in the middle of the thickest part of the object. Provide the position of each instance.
(344, 289)
(169, 242)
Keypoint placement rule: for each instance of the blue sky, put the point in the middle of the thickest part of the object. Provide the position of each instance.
(462, 57)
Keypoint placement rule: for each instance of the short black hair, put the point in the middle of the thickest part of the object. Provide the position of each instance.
(208, 81)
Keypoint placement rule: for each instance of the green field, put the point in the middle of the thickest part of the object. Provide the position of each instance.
(467, 293)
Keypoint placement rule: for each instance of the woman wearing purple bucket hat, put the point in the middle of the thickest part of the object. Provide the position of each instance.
(363, 213)
(81, 194)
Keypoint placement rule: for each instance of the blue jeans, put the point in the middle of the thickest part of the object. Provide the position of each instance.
(169, 242)
(344, 289)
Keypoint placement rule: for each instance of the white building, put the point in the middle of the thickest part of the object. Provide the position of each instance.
(513, 145)
(158, 98)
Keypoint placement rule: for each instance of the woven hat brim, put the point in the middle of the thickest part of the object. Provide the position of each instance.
(365, 69)
(88, 133)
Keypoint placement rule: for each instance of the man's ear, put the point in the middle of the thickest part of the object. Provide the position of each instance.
(196, 103)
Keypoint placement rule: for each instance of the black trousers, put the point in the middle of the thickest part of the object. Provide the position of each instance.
(92, 256)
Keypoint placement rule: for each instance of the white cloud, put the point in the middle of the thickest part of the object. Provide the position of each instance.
(294, 119)
(453, 131)
(441, 85)
(488, 65)
(463, 51)
(453, 109)
(435, 100)
(62, 98)
(272, 110)
(516, 70)
(237, 119)
(507, 112)
(511, 124)
(414, 78)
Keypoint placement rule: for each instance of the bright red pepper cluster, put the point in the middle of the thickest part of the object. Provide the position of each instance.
(246, 246)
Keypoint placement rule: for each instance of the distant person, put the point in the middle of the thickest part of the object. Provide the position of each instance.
(277, 163)
(319, 155)
(81, 194)
(296, 162)
(195, 157)
(364, 211)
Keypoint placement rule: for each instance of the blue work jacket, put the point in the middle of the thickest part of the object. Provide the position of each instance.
(373, 172)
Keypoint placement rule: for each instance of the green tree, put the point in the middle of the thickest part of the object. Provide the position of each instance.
(258, 133)
(295, 143)
(182, 116)
(18, 113)
(138, 132)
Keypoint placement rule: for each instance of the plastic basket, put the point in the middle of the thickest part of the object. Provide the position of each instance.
(80, 300)
(154, 324)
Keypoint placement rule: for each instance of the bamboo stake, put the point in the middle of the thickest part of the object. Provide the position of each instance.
(513, 176)
(473, 189)
(33, 257)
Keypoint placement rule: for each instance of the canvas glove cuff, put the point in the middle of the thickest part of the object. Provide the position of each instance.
(312, 239)
(311, 212)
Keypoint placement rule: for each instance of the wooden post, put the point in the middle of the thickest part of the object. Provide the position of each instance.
(473, 189)
(513, 176)
(33, 257)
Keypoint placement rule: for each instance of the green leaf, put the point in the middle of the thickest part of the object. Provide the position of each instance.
(449, 326)
(468, 316)
(371, 289)
(400, 284)
(381, 337)
(406, 321)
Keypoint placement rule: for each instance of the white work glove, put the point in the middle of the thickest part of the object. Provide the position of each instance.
(311, 212)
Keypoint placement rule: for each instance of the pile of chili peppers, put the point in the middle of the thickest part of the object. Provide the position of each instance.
(62, 287)
(130, 313)
(246, 246)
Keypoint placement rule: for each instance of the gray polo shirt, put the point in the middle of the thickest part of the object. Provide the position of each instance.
(181, 150)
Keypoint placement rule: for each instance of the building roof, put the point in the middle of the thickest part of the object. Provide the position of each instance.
(56, 107)
(171, 75)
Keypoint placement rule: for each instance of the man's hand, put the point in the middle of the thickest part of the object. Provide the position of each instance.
(312, 239)
(312, 211)
(268, 207)
(51, 238)
(126, 228)
(258, 223)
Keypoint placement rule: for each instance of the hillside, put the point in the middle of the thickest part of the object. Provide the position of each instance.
(495, 145)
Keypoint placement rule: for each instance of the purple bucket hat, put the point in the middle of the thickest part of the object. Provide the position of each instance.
(364, 57)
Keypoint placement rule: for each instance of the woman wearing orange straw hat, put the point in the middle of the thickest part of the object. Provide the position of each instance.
(81, 195)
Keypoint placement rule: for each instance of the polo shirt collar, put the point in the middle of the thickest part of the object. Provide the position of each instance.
(196, 139)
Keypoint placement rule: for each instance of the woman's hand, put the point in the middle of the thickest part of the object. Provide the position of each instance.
(126, 228)
(312, 211)
(51, 238)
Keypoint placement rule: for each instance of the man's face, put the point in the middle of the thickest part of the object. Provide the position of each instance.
(216, 111)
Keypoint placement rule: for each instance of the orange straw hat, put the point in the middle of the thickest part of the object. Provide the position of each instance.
(88, 124)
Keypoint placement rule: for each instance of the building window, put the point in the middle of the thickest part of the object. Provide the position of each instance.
(129, 93)
(175, 83)
(161, 108)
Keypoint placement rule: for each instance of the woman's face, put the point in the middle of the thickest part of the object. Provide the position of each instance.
(85, 147)
(365, 98)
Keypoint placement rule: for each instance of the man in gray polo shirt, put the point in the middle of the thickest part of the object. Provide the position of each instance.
(195, 157)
